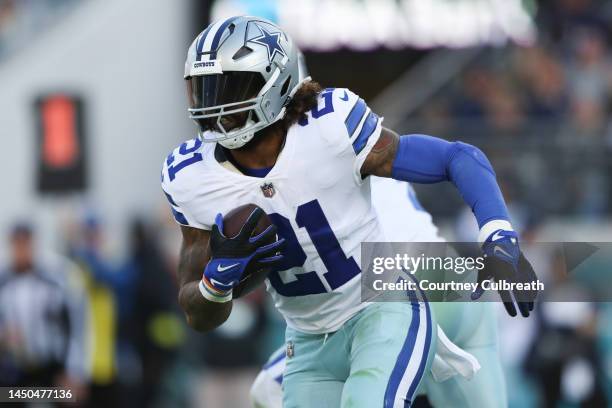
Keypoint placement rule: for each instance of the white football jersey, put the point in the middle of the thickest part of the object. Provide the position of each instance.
(315, 196)
(400, 215)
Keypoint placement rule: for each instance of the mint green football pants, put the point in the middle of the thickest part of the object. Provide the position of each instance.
(473, 327)
(377, 359)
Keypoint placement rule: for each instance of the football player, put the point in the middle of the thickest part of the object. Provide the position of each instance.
(303, 154)
(471, 326)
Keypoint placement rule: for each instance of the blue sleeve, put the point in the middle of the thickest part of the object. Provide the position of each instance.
(426, 159)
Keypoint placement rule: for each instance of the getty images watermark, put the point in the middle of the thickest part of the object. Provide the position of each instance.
(446, 272)
(454, 264)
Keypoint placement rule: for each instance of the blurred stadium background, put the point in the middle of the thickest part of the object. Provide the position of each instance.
(92, 99)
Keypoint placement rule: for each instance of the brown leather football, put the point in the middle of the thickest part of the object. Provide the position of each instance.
(232, 223)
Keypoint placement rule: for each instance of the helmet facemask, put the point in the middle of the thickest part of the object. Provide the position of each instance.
(226, 106)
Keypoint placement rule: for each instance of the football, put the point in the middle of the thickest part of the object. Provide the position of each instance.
(232, 223)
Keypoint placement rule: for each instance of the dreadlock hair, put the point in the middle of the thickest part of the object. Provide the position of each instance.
(303, 100)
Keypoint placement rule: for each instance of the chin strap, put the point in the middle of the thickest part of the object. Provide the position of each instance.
(237, 142)
(227, 140)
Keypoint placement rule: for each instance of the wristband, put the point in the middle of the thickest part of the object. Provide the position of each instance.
(212, 294)
(492, 226)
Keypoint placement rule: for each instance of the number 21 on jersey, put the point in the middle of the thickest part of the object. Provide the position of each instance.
(340, 269)
(310, 216)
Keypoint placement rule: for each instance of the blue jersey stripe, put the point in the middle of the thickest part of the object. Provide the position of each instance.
(179, 217)
(405, 354)
(217, 37)
(170, 200)
(355, 116)
(369, 126)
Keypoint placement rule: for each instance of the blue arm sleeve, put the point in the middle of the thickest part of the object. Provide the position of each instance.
(426, 159)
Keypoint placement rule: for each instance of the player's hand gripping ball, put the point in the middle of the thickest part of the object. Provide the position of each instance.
(244, 248)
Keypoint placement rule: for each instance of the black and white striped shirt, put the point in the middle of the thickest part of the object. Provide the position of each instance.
(42, 317)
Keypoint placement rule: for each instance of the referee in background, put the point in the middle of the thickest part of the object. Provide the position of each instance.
(42, 318)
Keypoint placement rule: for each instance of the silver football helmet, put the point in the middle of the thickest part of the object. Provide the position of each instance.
(240, 73)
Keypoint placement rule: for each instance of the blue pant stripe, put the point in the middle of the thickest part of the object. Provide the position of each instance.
(423, 363)
(405, 354)
(421, 370)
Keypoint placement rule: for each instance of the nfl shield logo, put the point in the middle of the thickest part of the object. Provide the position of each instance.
(268, 190)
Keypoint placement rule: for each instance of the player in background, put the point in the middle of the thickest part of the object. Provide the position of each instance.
(303, 155)
(471, 326)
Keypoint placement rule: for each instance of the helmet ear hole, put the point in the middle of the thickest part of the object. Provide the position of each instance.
(285, 87)
(242, 52)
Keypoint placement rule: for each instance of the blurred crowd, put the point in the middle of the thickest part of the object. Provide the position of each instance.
(111, 330)
(543, 113)
(20, 20)
(562, 354)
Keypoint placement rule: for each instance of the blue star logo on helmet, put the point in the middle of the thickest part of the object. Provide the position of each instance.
(271, 41)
